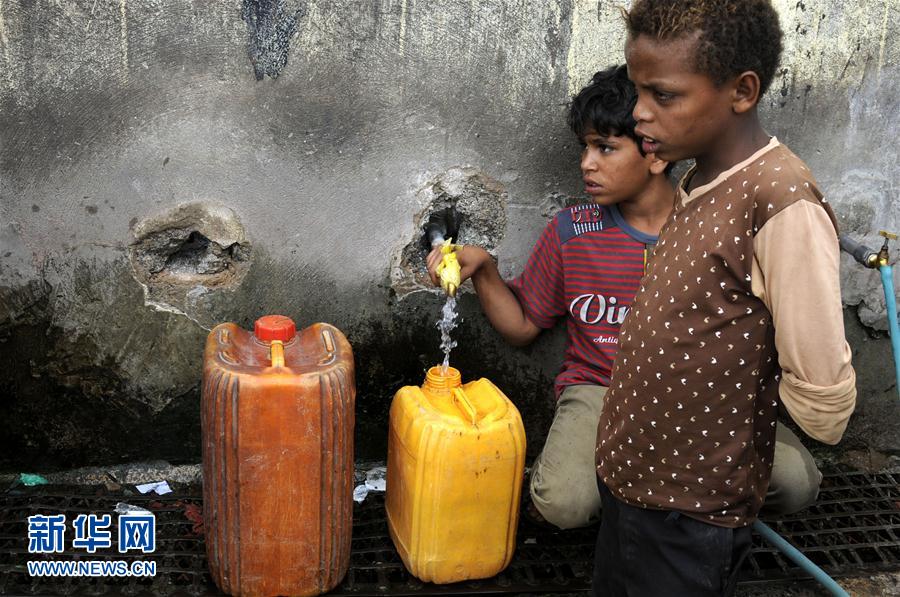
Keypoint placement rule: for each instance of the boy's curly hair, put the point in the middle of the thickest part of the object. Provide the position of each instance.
(605, 105)
(735, 36)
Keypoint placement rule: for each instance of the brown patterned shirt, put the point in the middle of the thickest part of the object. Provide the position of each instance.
(688, 423)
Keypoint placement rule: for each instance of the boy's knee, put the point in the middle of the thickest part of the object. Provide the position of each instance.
(793, 495)
(565, 506)
(568, 514)
(794, 484)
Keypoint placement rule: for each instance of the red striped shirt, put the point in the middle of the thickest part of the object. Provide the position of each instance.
(586, 265)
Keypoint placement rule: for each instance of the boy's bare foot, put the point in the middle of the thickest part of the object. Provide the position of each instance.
(531, 514)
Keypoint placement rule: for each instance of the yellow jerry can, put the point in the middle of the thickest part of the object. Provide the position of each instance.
(456, 456)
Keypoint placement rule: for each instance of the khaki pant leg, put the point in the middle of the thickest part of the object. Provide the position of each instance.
(795, 477)
(564, 477)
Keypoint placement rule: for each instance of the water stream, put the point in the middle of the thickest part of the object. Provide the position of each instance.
(447, 324)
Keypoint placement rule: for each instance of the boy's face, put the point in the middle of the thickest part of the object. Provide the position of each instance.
(680, 113)
(612, 168)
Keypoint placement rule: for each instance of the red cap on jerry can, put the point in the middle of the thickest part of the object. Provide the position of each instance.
(274, 327)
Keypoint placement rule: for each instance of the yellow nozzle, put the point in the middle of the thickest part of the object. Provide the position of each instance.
(448, 268)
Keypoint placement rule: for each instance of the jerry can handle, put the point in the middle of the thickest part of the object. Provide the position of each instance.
(276, 352)
(460, 398)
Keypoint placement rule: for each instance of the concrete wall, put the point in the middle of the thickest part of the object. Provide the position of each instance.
(306, 141)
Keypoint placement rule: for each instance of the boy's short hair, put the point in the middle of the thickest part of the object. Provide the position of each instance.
(735, 35)
(605, 105)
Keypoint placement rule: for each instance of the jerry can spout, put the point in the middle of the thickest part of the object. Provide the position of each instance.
(437, 381)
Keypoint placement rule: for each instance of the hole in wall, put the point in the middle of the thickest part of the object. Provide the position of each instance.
(466, 200)
(192, 245)
(199, 256)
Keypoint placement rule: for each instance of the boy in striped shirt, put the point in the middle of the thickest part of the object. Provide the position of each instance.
(586, 266)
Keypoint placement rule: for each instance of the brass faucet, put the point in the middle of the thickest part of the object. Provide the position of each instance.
(883, 255)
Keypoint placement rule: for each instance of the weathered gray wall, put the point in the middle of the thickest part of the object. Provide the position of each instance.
(113, 113)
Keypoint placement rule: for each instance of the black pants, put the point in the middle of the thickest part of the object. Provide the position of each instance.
(654, 553)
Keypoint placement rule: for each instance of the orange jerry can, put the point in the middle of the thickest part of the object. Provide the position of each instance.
(456, 457)
(277, 418)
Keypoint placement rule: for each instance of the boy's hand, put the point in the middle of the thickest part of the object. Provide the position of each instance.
(497, 300)
(470, 260)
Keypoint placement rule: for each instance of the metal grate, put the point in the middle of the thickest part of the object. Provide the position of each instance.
(544, 562)
(853, 529)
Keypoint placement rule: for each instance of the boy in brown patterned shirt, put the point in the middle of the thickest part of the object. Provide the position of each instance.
(739, 310)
